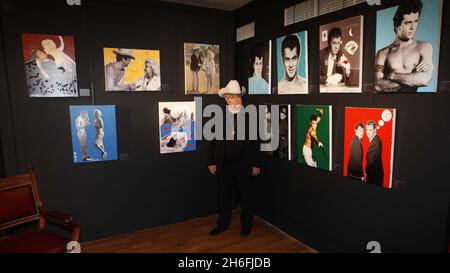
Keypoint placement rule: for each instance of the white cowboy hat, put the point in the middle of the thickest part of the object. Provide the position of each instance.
(232, 88)
(124, 52)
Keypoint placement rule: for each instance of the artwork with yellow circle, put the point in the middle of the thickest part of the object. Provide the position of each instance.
(132, 69)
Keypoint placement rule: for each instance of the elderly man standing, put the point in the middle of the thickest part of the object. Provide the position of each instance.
(233, 160)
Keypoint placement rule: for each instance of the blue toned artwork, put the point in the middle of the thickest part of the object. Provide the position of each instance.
(298, 82)
(177, 127)
(259, 74)
(257, 85)
(94, 134)
(427, 34)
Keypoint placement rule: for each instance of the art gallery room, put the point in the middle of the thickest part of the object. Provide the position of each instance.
(224, 126)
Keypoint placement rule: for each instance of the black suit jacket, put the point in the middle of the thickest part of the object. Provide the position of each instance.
(324, 53)
(355, 168)
(374, 167)
(216, 152)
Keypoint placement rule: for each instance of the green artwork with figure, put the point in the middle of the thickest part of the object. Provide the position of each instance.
(314, 136)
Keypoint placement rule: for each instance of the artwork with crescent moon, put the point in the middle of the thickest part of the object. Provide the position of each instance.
(341, 50)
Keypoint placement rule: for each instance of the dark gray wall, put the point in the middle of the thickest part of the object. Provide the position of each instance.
(325, 210)
(334, 213)
(115, 197)
(8, 162)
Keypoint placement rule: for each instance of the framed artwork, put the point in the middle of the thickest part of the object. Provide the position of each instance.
(284, 130)
(292, 63)
(341, 50)
(177, 126)
(259, 74)
(369, 145)
(50, 65)
(132, 69)
(407, 47)
(315, 135)
(201, 69)
(94, 133)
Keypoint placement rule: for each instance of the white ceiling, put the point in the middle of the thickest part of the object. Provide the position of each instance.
(216, 4)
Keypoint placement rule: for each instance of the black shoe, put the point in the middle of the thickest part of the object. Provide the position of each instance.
(245, 232)
(217, 231)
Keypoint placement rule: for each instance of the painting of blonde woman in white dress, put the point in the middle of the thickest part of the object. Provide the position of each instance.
(50, 65)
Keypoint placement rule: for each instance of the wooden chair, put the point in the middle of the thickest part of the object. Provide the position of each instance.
(19, 204)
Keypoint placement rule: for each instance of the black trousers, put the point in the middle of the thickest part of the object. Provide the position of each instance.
(227, 177)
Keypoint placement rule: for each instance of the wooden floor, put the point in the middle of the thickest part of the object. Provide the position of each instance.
(192, 236)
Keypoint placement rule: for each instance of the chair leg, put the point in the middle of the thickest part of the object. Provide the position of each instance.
(76, 234)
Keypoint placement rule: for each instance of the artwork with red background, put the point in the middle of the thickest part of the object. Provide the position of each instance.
(50, 65)
(385, 122)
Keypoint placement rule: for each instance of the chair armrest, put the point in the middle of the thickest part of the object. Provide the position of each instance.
(63, 220)
(59, 216)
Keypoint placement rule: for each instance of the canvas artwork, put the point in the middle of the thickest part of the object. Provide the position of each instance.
(259, 79)
(94, 134)
(369, 145)
(314, 136)
(407, 47)
(341, 50)
(50, 65)
(177, 126)
(132, 69)
(292, 63)
(201, 69)
(284, 131)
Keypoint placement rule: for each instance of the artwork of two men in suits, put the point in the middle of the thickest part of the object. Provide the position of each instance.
(374, 173)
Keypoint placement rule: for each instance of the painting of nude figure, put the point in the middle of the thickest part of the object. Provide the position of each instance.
(407, 47)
